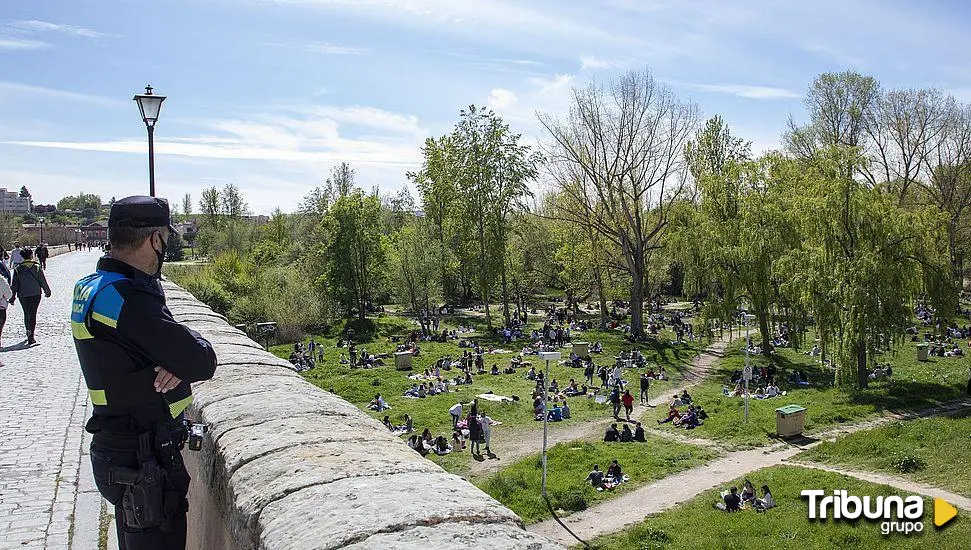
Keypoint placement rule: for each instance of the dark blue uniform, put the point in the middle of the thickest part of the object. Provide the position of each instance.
(122, 331)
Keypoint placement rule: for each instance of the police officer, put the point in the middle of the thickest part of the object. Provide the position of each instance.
(138, 363)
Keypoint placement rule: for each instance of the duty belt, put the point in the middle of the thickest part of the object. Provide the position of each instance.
(165, 438)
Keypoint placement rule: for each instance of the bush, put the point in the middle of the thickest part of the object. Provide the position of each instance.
(571, 500)
(908, 463)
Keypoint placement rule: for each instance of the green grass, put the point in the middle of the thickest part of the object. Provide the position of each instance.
(929, 450)
(518, 485)
(914, 386)
(360, 385)
(697, 524)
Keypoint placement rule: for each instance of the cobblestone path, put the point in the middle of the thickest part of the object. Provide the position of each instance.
(47, 497)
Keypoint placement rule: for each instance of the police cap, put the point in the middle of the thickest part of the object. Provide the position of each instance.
(140, 211)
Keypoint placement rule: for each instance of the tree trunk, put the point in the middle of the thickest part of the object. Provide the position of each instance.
(766, 336)
(861, 370)
(505, 295)
(637, 306)
(602, 296)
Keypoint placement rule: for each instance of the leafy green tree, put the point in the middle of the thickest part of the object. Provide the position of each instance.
(173, 248)
(209, 206)
(80, 202)
(186, 205)
(862, 258)
(355, 254)
(414, 267)
(24, 192)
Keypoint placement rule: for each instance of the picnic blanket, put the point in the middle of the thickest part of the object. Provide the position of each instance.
(495, 397)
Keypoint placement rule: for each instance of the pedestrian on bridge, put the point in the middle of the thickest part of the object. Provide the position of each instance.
(28, 283)
(138, 362)
(5, 294)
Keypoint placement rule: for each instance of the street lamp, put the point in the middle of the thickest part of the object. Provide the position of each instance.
(546, 356)
(150, 104)
(41, 221)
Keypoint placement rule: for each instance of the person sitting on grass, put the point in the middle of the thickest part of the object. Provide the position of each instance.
(554, 386)
(468, 378)
(673, 414)
(565, 410)
(409, 424)
(572, 389)
(689, 420)
(612, 435)
(732, 502)
(387, 423)
(759, 393)
(378, 404)
(738, 391)
(422, 391)
(614, 473)
(748, 492)
(626, 436)
(495, 370)
(766, 502)
(555, 414)
(639, 433)
(596, 477)
(458, 441)
(685, 398)
(771, 391)
(441, 446)
(597, 347)
(531, 373)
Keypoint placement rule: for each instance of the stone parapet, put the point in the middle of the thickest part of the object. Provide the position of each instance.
(287, 466)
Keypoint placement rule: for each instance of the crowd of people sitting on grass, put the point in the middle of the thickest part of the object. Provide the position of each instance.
(303, 359)
(733, 501)
(605, 481)
(624, 434)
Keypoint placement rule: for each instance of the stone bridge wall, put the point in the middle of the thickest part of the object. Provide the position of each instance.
(287, 466)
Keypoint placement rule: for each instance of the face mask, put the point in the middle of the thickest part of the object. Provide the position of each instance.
(160, 255)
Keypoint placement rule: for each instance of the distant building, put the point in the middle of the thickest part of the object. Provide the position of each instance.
(187, 230)
(95, 232)
(12, 203)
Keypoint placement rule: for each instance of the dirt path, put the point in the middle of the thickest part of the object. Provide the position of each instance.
(515, 444)
(613, 515)
(957, 500)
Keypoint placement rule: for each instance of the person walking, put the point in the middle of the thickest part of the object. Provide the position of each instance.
(628, 401)
(138, 363)
(475, 434)
(28, 283)
(16, 256)
(5, 294)
(615, 401)
(487, 432)
(645, 386)
(42, 254)
(4, 269)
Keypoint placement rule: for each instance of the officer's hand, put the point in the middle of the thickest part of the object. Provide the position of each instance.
(165, 380)
(47, 294)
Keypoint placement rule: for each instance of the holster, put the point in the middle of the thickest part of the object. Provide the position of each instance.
(149, 500)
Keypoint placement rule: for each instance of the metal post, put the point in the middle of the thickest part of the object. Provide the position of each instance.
(747, 346)
(151, 161)
(546, 418)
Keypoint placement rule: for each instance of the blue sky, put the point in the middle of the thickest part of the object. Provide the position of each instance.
(270, 94)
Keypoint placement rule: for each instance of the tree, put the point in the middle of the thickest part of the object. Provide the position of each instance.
(341, 179)
(414, 267)
(619, 157)
(209, 206)
(355, 254)
(173, 249)
(861, 260)
(186, 205)
(24, 192)
(81, 202)
(231, 202)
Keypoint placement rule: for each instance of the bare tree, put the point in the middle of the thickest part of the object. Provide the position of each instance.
(903, 127)
(619, 158)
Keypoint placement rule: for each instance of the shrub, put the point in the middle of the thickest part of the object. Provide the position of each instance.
(571, 500)
(906, 463)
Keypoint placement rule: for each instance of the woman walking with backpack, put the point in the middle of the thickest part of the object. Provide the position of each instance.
(28, 282)
(5, 294)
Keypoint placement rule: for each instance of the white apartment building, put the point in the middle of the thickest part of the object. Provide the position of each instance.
(12, 203)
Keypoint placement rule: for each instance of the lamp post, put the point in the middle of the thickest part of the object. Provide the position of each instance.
(149, 105)
(547, 356)
(41, 222)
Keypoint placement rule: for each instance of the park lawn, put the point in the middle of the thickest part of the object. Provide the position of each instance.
(360, 385)
(915, 385)
(518, 485)
(697, 524)
(929, 450)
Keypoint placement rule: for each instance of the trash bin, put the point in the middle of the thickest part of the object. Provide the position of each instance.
(582, 349)
(790, 420)
(402, 360)
(922, 351)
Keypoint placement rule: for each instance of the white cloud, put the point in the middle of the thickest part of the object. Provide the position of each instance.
(740, 90)
(311, 134)
(27, 89)
(325, 48)
(594, 62)
(16, 44)
(47, 26)
(501, 98)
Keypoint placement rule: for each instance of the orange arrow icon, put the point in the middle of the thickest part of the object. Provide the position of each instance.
(943, 512)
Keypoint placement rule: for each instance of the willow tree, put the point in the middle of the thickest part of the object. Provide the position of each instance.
(619, 157)
(862, 258)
